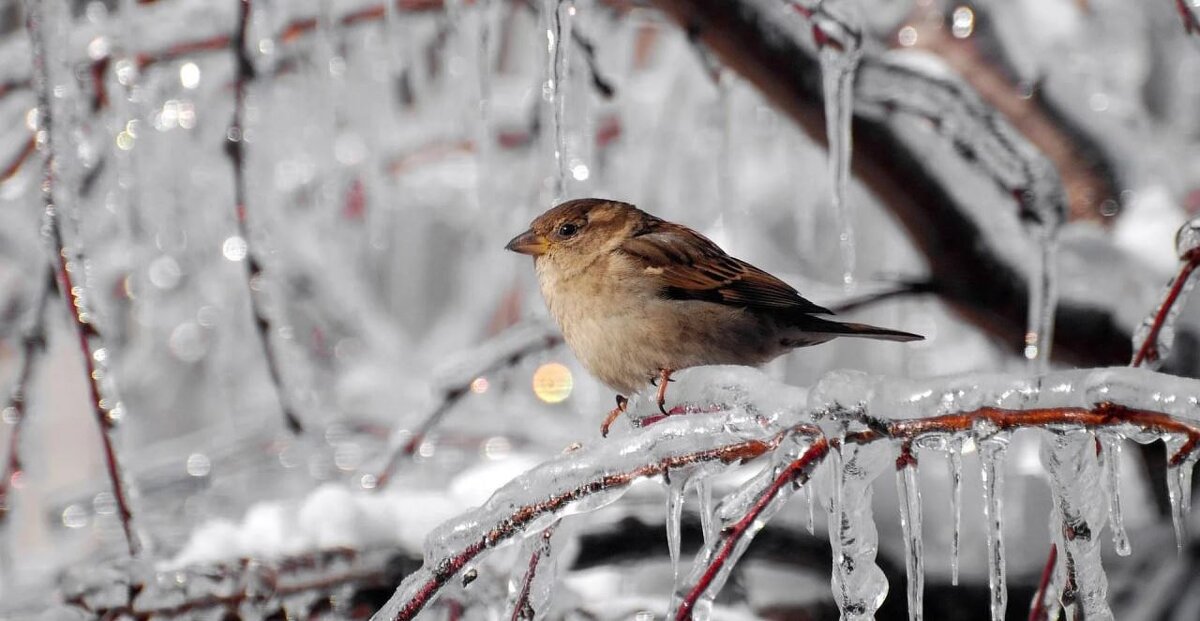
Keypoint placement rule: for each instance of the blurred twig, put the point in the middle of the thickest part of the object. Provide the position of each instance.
(263, 322)
(33, 345)
(95, 355)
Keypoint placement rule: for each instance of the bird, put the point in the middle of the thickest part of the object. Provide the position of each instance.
(638, 298)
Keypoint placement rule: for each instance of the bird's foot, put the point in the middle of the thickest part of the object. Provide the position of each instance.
(664, 377)
(622, 405)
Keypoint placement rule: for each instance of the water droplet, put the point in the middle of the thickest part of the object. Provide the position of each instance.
(189, 75)
(234, 248)
(198, 465)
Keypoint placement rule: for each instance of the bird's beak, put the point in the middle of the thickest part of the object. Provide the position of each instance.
(529, 243)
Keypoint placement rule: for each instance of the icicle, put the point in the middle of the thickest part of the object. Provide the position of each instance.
(1043, 300)
(1076, 522)
(1179, 487)
(910, 521)
(676, 485)
(705, 493)
(1111, 465)
(556, 19)
(811, 495)
(839, 60)
(955, 454)
(991, 462)
(859, 585)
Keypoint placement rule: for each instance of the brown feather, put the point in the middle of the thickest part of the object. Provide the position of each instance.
(692, 267)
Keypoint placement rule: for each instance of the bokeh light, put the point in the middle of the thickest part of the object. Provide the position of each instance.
(552, 382)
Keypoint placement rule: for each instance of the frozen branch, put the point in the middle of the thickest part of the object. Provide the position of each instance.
(987, 408)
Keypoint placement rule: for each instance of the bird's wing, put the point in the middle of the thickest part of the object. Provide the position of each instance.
(691, 267)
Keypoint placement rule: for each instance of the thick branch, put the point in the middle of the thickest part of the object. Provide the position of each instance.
(974, 275)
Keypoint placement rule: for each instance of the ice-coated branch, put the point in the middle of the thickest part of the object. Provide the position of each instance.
(874, 416)
(1152, 340)
(235, 147)
(583, 480)
(33, 345)
(67, 265)
(980, 272)
(504, 350)
(242, 588)
(713, 565)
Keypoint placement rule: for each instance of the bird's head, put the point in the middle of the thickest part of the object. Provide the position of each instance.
(578, 229)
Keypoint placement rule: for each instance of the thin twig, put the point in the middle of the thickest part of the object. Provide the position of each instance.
(899, 290)
(1148, 352)
(450, 396)
(33, 345)
(522, 608)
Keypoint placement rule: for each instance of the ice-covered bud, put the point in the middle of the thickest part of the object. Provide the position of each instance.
(1187, 240)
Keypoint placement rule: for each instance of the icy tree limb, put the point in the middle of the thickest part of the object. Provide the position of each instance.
(67, 265)
(975, 272)
(33, 345)
(523, 607)
(985, 407)
(292, 584)
(577, 481)
(713, 565)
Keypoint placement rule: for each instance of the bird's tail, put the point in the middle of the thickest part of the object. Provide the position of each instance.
(823, 327)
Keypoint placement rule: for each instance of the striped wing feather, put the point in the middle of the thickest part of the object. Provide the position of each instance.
(692, 267)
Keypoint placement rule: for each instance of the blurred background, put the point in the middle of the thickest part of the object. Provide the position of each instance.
(385, 152)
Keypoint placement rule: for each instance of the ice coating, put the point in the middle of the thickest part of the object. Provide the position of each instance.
(910, 523)
(1110, 455)
(1187, 240)
(991, 464)
(1154, 337)
(1078, 519)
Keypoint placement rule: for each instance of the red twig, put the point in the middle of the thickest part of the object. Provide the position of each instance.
(1038, 611)
(234, 147)
(1191, 24)
(10, 170)
(522, 609)
(89, 338)
(797, 471)
(33, 344)
(1148, 352)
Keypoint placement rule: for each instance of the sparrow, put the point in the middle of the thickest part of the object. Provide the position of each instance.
(638, 298)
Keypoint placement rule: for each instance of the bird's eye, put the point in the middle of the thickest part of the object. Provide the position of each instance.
(568, 229)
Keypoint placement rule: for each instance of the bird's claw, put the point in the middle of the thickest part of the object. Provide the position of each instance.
(622, 404)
